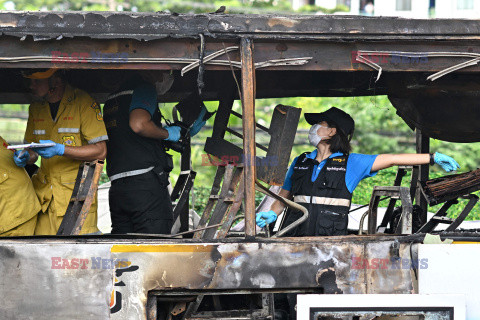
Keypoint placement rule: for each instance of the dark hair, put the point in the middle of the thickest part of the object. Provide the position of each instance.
(339, 142)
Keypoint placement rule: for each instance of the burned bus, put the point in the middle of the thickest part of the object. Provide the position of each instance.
(212, 272)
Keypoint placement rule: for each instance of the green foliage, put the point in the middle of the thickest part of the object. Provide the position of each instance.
(378, 129)
(57, 5)
(13, 129)
(313, 9)
(14, 107)
(199, 6)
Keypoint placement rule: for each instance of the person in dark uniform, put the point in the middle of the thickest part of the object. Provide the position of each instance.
(323, 180)
(137, 163)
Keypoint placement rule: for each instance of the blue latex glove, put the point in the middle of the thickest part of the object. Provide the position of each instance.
(48, 152)
(447, 163)
(199, 123)
(173, 133)
(264, 218)
(21, 160)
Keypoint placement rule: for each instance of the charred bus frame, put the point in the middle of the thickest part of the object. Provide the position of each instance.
(428, 68)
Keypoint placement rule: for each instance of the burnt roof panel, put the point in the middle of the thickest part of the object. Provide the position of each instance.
(150, 26)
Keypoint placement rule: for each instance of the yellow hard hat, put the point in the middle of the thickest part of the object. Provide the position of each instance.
(39, 74)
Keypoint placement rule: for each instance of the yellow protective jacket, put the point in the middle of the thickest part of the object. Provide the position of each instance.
(18, 202)
(79, 122)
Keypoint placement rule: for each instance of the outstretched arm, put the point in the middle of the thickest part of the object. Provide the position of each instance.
(384, 161)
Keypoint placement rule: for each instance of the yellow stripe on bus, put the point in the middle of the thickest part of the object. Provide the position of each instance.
(160, 248)
(465, 242)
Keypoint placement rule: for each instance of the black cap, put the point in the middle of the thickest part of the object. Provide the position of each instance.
(335, 115)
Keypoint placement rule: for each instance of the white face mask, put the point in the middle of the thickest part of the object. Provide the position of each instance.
(313, 137)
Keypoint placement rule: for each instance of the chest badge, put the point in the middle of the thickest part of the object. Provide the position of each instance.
(69, 141)
(98, 111)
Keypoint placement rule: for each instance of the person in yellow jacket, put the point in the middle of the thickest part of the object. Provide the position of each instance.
(71, 119)
(18, 210)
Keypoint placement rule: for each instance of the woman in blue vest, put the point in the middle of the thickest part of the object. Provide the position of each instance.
(323, 180)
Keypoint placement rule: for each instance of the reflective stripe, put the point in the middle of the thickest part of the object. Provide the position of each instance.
(37, 132)
(98, 139)
(322, 200)
(121, 93)
(68, 130)
(129, 173)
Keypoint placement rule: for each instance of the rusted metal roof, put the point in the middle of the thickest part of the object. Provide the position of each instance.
(150, 26)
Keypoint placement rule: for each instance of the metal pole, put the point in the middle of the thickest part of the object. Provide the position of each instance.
(423, 146)
(248, 107)
(185, 164)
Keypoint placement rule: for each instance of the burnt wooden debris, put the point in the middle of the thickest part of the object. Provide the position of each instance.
(448, 190)
(452, 186)
(179, 196)
(83, 196)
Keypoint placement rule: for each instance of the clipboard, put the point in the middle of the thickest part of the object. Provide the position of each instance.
(32, 145)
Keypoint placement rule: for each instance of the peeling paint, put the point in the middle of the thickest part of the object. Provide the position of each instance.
(286, 22)
(226, 26)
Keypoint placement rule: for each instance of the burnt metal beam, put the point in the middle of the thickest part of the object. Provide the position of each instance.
(248, 108)
(150, 26)
(226, 100)
(423, 146)
(438, 114)
(186, 165)
(181, 194)
(175, 54)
